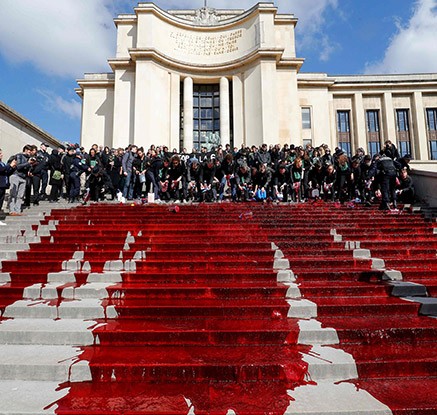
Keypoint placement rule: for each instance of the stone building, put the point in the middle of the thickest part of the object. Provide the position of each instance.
(187, 78)
(16, 131)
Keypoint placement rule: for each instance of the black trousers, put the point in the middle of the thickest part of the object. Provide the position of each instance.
(44, 182)
(388, 190)
(2, 198)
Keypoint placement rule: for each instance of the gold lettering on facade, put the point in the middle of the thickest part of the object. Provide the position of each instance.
(206, 45)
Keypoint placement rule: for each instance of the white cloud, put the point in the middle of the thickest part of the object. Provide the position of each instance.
(63, 37)
(67, 38)
(56, 104)
(413, 49)
(312, 27)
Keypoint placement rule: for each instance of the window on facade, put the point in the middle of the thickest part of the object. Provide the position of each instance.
(373, 132)
(206, 115)
(431, 116)
(403, 131)
(306, 118)
(343, 132)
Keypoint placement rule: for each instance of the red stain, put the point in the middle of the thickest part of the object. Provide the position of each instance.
(198, 322)
(208, 328)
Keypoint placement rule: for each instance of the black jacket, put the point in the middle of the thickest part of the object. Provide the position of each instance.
(5, 171)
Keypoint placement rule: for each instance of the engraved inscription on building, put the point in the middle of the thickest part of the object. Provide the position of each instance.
(206, 45)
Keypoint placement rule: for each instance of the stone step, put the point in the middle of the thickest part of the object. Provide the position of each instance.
(75, 309)
(42, 363)
(78, 332)
(338, 399)
(72, 332)
(25, 397)
(107, 290)
(327, 363)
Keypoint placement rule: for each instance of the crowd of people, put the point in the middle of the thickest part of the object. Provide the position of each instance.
(286, 174)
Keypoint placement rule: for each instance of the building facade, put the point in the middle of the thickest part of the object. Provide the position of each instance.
(188, 78)
(16, 131)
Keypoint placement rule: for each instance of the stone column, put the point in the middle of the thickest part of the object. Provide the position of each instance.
(389, 119)
(124, 103)
(421, 145)
(224, 111)
(188, 113)
(238, 94)
(175, 110)
(360, 127)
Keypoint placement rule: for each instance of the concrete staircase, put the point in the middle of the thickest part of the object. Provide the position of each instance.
(219, 309)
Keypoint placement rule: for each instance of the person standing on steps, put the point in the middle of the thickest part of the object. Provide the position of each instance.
(56, 175)
(127, 164)
(24, 163)
(390, 150)
(77, 168)
(43, 160)
(6, 170)
(387, 173)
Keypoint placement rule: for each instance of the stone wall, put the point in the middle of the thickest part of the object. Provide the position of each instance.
(425, 183)
(16, 131)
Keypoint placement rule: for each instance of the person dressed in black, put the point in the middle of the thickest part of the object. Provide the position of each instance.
(67, 161)
(6, 170)
(263, 157)
(193, 179)
(344, 177)
(327, 158)
(243, 183)
(281, 184)
(368, 172)
(152, 173)
(355, 180)
(77, 168)
(208, 180)
(164, 188)
(315, 179)
(329, 183)
(405, 189)
(387, 173)
(177, 180)
(140, 166)
(390, 150)
(405, 162)
(42, 157)
(56, 175)
(99, 182)
(262, 182)
(296, 173)
(227, 172)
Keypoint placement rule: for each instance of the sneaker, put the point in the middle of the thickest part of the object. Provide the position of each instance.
(2, 223)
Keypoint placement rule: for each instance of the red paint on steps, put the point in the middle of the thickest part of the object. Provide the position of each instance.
(222, 340)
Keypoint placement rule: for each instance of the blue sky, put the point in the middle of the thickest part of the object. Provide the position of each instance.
(45, 45)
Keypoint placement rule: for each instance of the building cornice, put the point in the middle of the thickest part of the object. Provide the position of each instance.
(125, 19)
(96, 80)
(256, 55)
(45, 136)
(350, 83)
(262, 7)
(120, 63)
